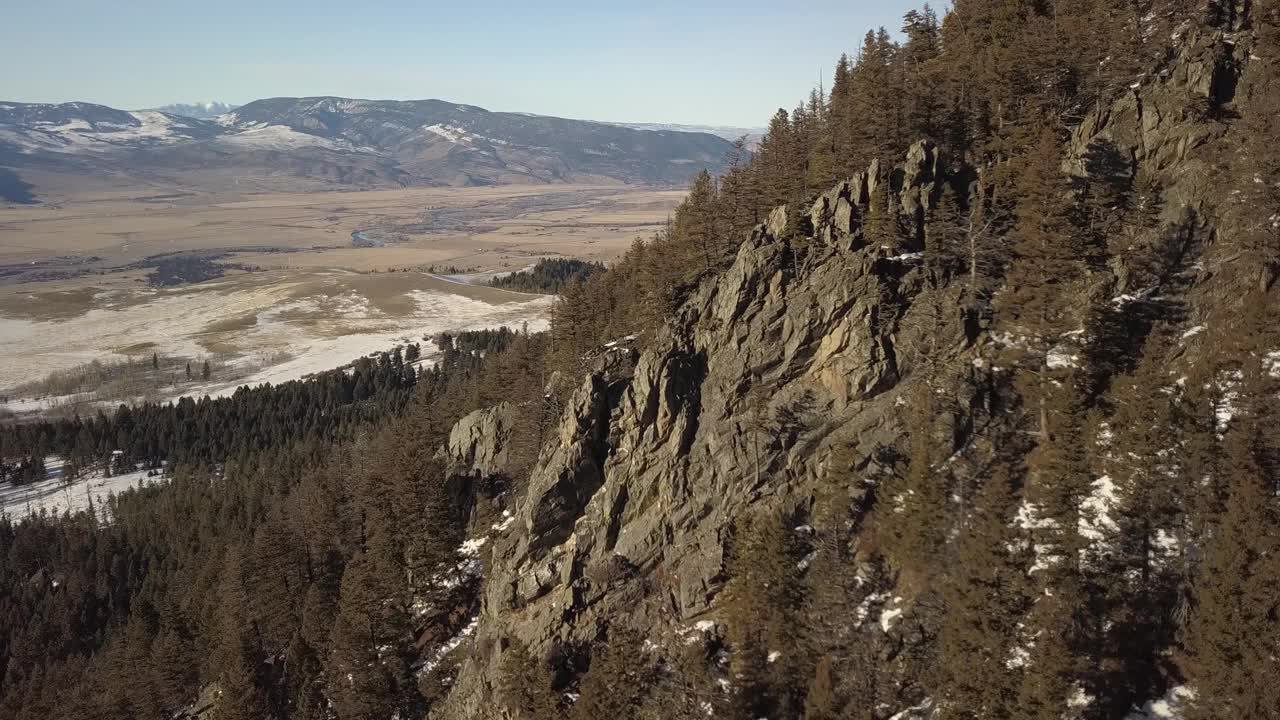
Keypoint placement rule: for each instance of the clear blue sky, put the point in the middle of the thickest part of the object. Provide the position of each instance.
(729, 63)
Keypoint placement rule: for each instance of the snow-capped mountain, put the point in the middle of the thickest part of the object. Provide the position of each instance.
(200, 110)
(84, 127)
(464, 144)
(352, 142)
(728, 132)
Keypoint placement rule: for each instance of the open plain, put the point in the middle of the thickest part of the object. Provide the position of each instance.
(302, 282)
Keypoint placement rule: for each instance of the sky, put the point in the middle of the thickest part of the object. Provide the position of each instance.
(717, 63)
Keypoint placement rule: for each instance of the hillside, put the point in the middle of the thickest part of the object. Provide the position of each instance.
(359, 143)
(955, 401)
(201, 111)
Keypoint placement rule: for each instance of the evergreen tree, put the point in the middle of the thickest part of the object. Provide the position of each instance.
(526, 684)
(1231, 637)
(619, 679)
(981, 647)
(368, 665)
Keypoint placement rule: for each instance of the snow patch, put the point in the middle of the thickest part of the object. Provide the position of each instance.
(889, 617)
(507, 520)
(471, 548)
(1173, 706)
(1096, 522)
(55, 497)
(1059, 358)
(915, 712)
(1225, 409)
(863, 609)
(450, 645)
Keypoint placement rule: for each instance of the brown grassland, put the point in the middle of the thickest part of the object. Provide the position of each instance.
(73, 272)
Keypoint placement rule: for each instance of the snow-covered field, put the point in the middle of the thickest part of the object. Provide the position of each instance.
(55, 497)
(265, 328)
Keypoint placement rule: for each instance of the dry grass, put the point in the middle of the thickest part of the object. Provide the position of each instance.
(66, 298)
(510, 224)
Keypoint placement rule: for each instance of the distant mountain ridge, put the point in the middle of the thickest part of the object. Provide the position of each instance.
(731, 133)
(201, 111)
(344, 141)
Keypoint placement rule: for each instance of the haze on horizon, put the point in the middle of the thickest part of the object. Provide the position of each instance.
(662, 62)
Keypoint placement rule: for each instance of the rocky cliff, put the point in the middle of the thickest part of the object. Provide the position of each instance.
(787, 373)
(773, 372)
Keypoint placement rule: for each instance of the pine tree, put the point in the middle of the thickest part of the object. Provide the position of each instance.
(821, 702)
(697, 227)
(981, 655)
(1138, 567)
(1254, 172)
(763, 603)
(842, 120)
(876, 103)
(922, 87)
(916, 522)
(525, 682)
(241, 698)
(777, 166)
(368, 663)
(1231, 637)
(619, 679)
(1036, 306)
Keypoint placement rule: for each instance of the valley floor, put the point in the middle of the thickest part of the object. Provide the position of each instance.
(297, 296)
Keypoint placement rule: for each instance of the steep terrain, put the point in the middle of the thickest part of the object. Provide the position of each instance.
(955, 401)
(779, 378)
(783, 381)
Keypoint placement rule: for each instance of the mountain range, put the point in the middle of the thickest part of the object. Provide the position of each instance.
(201, 110)
(332, 140)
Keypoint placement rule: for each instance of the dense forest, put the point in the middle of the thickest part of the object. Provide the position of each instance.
(548, 275)
(126, 618)
(1067, 506)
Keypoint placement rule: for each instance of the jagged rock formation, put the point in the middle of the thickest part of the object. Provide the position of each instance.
(790, 354)
(1165, 121)
(790, 362)
(480, 443)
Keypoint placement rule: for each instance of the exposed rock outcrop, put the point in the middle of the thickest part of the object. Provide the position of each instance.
(1163, 123)
(742, 400)
(480, 443)
(775, 377)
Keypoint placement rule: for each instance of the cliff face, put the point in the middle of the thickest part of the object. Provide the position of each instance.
(784, 374)
(780, 364)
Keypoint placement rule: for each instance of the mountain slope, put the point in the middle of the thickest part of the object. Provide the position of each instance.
(202, 111)
(473, 145)
(350, 142)
(808, 383)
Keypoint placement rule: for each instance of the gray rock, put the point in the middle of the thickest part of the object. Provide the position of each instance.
(480, 443)
(738, 403)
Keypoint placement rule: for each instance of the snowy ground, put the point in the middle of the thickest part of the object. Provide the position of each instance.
(267, 329)
(435, 312)
(55, 497)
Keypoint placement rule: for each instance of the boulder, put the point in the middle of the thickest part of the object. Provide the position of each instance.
(480, 443)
